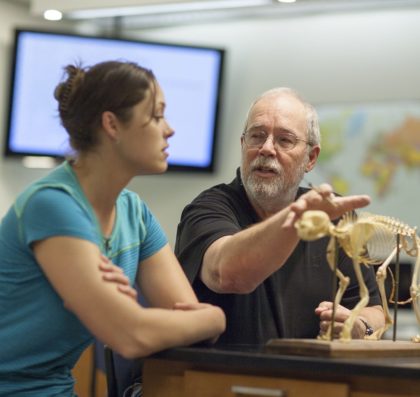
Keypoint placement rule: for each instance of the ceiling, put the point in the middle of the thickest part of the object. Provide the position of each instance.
(132, 14)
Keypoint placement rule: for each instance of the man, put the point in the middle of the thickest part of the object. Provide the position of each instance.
(238, 245)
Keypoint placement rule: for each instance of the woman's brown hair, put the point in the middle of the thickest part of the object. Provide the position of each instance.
(88, 92)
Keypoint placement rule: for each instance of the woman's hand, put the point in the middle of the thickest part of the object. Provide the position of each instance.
(200, 306)
(114, 274)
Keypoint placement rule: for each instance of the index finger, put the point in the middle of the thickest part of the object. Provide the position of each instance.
(348, 203)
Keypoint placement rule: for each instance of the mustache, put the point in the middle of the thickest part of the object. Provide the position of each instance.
(267, 163)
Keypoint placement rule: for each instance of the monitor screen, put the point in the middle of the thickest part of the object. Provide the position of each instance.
(190, 77)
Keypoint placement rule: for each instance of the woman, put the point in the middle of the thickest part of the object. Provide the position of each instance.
(52, 295)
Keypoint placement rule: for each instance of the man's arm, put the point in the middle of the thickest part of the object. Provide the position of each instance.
(239, 263)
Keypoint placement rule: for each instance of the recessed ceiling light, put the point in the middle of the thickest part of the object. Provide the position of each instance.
(53, 15)
(286, 1)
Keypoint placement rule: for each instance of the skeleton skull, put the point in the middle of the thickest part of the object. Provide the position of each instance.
(313, 225)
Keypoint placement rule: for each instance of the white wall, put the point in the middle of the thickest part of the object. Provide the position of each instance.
(329, 58)
(357, 56)
(13, 177)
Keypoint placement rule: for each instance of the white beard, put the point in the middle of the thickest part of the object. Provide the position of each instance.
(277, 193)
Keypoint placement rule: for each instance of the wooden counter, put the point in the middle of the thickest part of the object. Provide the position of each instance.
(251, 371)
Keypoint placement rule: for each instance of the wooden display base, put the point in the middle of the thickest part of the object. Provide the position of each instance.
(336, 348)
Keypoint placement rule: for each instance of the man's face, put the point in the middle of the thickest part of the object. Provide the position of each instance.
(268, 171)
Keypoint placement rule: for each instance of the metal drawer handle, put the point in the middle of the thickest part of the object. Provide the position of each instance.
(258, 391)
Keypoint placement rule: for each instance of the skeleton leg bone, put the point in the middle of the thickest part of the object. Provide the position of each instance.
(380, 279)
(342, 286)
(364, 300)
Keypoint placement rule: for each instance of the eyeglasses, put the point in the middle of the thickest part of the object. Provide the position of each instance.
(285, 141)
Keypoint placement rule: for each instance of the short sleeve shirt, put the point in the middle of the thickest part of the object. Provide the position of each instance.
(283, 306)
(40, 339)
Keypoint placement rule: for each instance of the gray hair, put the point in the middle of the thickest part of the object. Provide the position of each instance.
(313, 132)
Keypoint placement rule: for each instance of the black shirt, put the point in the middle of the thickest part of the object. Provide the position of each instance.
(283, 306)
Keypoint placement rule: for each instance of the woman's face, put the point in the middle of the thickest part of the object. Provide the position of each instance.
(144, 139)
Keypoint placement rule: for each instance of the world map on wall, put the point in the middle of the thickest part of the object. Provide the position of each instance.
(373, 148)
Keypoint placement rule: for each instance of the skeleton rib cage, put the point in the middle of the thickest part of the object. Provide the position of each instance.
(382, 239)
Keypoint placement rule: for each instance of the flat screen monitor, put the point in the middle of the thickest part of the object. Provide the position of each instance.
(189, 75)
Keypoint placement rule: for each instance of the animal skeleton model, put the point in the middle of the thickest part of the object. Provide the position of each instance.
(366, 239)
